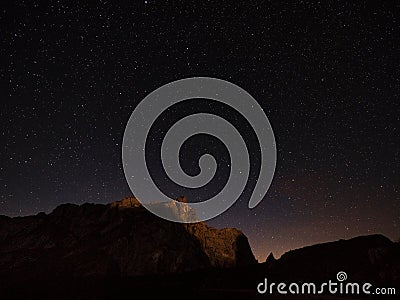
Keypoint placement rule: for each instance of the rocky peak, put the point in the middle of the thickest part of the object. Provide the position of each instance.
(181, 199)
(270, 259)
(127, 202)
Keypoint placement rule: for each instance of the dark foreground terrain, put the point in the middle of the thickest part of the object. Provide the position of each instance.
(121, 251)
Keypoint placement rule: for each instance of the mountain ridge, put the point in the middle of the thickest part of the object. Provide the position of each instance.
(121, 238)
(103, 250)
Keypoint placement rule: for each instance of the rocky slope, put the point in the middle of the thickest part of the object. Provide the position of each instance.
(120, 239)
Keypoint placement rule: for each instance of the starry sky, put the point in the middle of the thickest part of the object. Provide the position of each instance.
(326, 74)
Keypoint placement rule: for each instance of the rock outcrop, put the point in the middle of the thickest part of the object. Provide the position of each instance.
(121, 239)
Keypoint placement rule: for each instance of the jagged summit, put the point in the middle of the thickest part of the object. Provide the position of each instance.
(127, 202)
(178, 209)
(270, 259)
(131, 201)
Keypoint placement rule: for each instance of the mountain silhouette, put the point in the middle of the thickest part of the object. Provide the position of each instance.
(96, 251)
(119, 239)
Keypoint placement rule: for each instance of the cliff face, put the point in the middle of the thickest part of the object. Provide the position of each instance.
(119, 239)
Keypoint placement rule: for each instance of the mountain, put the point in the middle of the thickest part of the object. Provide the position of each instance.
(120, 250)
(372, 258)
(120, 239)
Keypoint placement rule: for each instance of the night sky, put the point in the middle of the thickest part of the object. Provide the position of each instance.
(326, 74)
